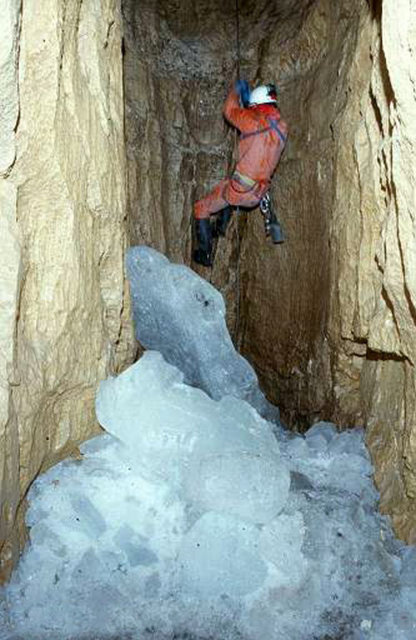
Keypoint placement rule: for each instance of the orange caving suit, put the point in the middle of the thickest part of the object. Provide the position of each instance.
(262, 140)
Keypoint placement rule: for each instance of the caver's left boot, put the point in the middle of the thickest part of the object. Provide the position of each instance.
(203, 253)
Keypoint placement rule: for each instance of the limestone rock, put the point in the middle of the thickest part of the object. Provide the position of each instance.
(9, 103)
(9, 448)
(10, 266)
(65, 322)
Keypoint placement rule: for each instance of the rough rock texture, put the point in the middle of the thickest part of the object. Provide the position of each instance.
(63, 318)
(327, 319)
(285, 290)
(179, 63)
(373, 294)
(177, 72)
(10, 266)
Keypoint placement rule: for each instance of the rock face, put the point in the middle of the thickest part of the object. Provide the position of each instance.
(373, 295)
(180, 62)
(63, 315)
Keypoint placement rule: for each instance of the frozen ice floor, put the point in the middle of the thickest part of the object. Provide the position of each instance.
(195, 519)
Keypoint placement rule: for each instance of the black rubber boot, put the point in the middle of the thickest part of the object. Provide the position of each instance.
(221, 223)
(203, 254)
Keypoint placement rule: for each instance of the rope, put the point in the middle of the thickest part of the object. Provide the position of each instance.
(237, 225)
(237, 31)
(215, 244)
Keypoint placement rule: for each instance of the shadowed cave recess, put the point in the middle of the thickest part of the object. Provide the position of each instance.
(327, 319)
(180, 61)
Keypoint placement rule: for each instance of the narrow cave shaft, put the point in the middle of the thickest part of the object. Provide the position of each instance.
(327, 319)
(179, 64)
(111, 128)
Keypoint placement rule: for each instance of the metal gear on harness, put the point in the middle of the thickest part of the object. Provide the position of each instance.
(271, 224)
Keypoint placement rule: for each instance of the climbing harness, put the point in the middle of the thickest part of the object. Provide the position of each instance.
(273, 125)
(244, 180)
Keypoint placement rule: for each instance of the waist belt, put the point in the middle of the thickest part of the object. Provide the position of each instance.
(246, 181)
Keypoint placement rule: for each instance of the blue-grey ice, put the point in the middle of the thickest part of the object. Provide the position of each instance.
(215, 455)
(194, 518)
(182, 316)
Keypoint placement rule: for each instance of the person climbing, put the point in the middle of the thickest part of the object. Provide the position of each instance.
(263, 135)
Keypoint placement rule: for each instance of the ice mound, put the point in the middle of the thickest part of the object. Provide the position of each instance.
(220, 556)
(216, 455)
(125, 545)
(179, 314)
(193, 518)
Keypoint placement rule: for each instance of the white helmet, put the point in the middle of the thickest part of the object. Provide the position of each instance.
(265, 94)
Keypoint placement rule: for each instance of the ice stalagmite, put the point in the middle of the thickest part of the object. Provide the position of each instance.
(181, 315)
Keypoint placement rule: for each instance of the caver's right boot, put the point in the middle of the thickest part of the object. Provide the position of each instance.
(203, 253)
(222, 219)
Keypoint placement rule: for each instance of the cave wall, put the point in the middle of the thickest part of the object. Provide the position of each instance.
(372, 321)
(332, 328)
(180, 61)
(64, 316)
(177, 73)
(285, 289)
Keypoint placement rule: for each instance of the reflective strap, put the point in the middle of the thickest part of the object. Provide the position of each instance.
(243, 136)
(273, 125)
(246, 181)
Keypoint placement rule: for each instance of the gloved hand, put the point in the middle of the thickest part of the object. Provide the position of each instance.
(243, 89)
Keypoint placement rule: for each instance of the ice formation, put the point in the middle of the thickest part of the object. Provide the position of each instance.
(194, 518)
(218, 455)
(182, 316)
